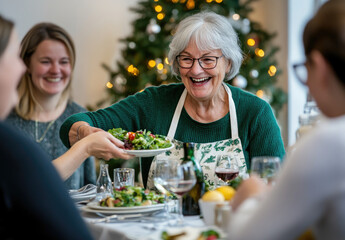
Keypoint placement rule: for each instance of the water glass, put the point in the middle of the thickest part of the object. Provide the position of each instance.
(266, 167)
(123, 177)
(163, 169)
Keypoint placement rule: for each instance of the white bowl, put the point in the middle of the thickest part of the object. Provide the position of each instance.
(208, 211)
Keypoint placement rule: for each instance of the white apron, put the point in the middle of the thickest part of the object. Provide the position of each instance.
(205, 153)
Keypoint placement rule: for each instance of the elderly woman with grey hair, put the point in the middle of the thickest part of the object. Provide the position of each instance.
(203, 108)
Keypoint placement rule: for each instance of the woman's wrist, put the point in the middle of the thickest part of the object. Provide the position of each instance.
(78, 129)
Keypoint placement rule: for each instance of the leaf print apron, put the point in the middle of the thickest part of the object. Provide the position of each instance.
(205, 153)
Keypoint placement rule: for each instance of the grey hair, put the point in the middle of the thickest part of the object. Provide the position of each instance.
(210, 31)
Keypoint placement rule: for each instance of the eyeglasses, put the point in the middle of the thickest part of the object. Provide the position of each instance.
(206, 62)
(301, 72)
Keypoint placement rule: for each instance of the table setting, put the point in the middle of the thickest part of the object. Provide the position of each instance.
(84, 193)
(120, 210)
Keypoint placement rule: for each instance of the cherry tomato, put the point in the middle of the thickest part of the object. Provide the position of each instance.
(131, 136)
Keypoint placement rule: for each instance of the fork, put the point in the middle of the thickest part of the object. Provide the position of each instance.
(83, 189)
(115, 216)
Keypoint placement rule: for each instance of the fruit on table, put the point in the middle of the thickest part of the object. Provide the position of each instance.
(213, 196)
(227, 191)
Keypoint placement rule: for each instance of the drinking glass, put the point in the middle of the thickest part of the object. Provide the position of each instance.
(181, 182)
(123, 177)
(227, 169)
(162, 172)
(266, 167)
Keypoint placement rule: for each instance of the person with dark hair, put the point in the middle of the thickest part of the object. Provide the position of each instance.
(310, 190)
(34, 203)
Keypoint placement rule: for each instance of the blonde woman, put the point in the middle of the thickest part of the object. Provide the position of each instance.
(32, 194)
(45, 94)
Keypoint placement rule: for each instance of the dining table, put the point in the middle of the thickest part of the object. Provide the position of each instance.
(147, 227)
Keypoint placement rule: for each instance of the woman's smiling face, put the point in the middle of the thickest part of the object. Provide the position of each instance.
(203, 84)
(50, 67)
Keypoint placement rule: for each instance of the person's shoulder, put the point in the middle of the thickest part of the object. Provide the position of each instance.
(13, 117)
(14, 138)
(329, 130)
(246, 99)
(165, 91)
(73, 107)
(166, 88)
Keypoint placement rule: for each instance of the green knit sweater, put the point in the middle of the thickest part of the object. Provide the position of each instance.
(153, 109)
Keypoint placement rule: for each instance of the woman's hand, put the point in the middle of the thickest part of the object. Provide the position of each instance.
(251, 187)
(102, 144)
(79, 130)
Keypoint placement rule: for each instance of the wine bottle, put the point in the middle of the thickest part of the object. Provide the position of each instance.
(190, 205)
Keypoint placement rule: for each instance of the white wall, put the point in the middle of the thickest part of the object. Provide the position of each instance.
(272, 15)
(95, 26)
(299, 13)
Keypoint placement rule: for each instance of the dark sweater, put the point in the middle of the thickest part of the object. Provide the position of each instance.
(34, 203)
(53, 146)
(153, 110)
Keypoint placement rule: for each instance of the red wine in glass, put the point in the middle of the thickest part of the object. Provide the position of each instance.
(226, 174)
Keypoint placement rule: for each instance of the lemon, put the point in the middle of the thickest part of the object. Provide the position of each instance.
(213, 196)
(227, 191)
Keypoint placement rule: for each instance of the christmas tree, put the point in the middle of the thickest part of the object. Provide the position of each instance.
(144, 58)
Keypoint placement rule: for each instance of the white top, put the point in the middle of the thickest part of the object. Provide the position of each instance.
(310, 192)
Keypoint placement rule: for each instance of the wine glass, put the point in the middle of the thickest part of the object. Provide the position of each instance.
(162, 172)
(227, 169)
(181, 182)
(266, 167)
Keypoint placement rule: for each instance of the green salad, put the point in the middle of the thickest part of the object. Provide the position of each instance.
(141, 139)
(132, 196)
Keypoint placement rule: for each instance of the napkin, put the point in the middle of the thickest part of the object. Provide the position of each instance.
(84, 193)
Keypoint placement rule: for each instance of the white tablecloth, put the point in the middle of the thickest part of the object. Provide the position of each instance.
(136, 229)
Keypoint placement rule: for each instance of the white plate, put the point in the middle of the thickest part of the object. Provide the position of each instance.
(148, 152)
(94, 207)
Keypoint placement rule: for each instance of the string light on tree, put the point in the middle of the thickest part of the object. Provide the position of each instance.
(109, 85)
(158, 8)
(133, 70)
(160, 16)
(151, 63)
(259, 52)
(272, 70)
(251, 42)
(190, 4)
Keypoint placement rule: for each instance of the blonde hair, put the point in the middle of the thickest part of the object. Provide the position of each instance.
(27, 104)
